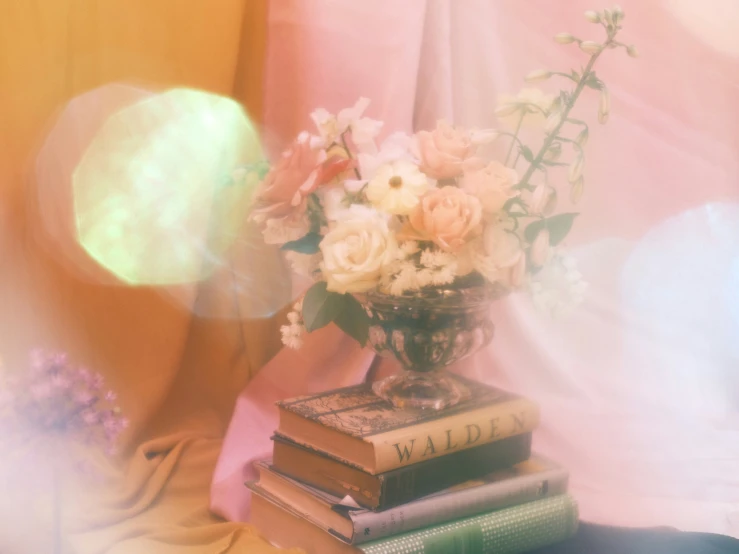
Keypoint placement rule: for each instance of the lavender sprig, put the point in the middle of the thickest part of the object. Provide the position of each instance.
(57, 397)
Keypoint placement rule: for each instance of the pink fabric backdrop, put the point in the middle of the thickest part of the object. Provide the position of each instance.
(639, 389)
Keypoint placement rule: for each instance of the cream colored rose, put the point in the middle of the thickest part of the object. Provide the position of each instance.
(355, 252)
(445, 152)
(492, 185)
(447, 216)
(396, 187)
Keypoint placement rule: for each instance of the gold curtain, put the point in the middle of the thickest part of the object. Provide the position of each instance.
(177, 376)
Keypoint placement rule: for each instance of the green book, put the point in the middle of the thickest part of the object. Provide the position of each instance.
(517, 529)
(508, 531)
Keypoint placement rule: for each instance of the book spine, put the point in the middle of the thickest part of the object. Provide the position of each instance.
(327, 473)
(370, 526)
(441, 437)
(517, 529)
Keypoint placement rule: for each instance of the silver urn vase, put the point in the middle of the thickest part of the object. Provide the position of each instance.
(425, 332)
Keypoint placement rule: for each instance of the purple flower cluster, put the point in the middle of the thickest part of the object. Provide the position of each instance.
(58, 397)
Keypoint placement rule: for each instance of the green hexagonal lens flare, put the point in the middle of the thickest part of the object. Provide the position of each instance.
(153, 196)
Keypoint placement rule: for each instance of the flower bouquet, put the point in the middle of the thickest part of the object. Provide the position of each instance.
(409, 240)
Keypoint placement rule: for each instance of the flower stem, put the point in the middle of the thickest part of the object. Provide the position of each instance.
(515, 135)
(349, 154)
(57, 509)
(572, 142)
(565, 112)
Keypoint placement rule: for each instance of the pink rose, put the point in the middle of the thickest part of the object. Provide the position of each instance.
(492, 185)
(447, 216)
(298, 173)
(445, 152)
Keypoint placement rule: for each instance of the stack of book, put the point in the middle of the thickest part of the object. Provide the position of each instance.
(350, 473)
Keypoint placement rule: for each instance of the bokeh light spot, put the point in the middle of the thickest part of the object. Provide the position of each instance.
(152, 196)
(680, 282)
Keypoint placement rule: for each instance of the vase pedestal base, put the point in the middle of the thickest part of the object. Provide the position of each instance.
(434, 390)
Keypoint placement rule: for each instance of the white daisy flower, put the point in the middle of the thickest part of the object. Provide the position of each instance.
(396, 187)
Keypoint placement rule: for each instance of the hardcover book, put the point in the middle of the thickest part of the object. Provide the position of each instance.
(515, 529)
(359, 428)
(401, 485)
(531, 480)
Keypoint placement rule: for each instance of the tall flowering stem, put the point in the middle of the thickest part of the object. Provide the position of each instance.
(514, 138)
(567, 107)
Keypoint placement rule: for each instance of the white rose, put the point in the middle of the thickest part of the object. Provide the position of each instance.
(354, 254)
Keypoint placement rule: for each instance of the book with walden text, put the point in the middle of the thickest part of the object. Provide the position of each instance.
(514, 529)
(359, 428)
(531, 480)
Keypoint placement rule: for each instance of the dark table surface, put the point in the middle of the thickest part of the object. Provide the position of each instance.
(601, 539)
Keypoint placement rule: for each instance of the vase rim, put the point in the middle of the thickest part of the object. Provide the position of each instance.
(472, 295)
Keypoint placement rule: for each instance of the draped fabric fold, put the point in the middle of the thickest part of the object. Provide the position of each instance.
(645, 414)
(177, 376)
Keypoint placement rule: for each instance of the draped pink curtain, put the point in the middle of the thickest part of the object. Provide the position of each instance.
(639, 388)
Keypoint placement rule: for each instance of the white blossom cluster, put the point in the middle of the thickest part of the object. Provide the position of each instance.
(558, 287)
(292, 334)
(415, 269)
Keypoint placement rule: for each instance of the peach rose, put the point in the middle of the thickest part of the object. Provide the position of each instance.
(298, 173)
(447, 216)
(445, 151)
(492, 185)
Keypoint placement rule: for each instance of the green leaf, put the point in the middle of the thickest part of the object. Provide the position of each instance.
(593, 82)
(558, 226)
(353, 320)
(473, 279)
(575, 76)
(262, 168)
(315, 213)
(526, 153)
(305, 245)
(320, 306)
